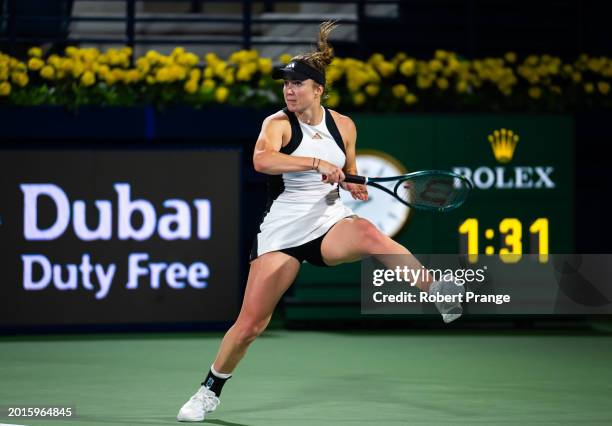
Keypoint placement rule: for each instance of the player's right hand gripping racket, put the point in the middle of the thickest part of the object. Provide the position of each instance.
(433, 190)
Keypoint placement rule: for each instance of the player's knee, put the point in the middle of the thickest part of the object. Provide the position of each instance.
(370, 237)
(248, 331)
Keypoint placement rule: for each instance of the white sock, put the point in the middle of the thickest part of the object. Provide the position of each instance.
(220, 375)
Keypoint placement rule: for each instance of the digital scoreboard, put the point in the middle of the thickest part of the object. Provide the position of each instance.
(522, 172)
(521, 169)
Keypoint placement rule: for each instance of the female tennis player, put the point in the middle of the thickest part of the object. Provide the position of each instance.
(306, 149)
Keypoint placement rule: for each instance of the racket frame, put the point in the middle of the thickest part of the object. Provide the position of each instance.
(373, 181)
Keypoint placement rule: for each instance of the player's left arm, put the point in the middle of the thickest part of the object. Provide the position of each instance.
(348, 131)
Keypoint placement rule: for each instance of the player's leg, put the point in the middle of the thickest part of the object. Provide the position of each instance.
(270, 276)
(354, 238)
(351, 239)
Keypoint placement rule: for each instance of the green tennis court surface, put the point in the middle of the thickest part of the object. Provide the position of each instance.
(318, 378)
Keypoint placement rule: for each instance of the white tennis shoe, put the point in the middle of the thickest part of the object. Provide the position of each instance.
(450, 310)
(202, 402)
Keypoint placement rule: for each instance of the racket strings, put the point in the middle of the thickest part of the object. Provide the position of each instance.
(435, 191)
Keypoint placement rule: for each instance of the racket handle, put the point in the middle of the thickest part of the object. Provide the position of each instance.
(361, 180)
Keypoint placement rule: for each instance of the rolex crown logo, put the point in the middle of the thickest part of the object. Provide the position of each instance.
(503, 143)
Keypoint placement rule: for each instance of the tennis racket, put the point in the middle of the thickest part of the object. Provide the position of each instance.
(432, 190)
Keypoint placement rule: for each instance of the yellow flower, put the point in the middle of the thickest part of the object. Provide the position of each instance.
(211, 58)
(77, 69)
(284, 58)
(453, 66)
(115, 58)
(238, 57)
(424, 81)
(35, 52)
(195, 74)
(532, 60)
(152, 56)
(132, 76)
(589, 88)
(178, 51)
(441, 54)
(265, 65)
(150, 79)
(66, 65)
(356, 79)
(143, 65)
(333, 99)
(442, 83)
(221, 94)
(376, 59)
(556, 89)
(35, 64)
(595, 64)
(386, 69)
(90, 55)
(209, 72)
(435, 65)
(162, 75)
(372, 89)
(399, 58)
(243, 74)
(462, 86)
(535, 92)
(47, 72)
(208, 85)
(411, 99)
(577, 77)
(188, 59)
(359, 98)
(333, 74)
(252, 55)
(604, 87)
(399, 90)
(88, 79)
(177, 73)
(103, 70)
(219, 68)
(510, 57)
(103, 59)
(407, 67)
(71, 51)
(5, 88)
(118, 73)
(110, 78)
(229, 77)
(20, 79)
(191, 86)
(18, 66)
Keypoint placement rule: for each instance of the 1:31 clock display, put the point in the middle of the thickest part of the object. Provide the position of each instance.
(511, 236)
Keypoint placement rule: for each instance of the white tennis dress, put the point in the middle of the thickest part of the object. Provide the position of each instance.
(301, 207)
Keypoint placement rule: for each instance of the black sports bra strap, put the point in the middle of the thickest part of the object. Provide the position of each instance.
(296, 133)
(333, 129)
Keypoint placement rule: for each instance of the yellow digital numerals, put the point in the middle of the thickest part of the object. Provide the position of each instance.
(511, 237)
